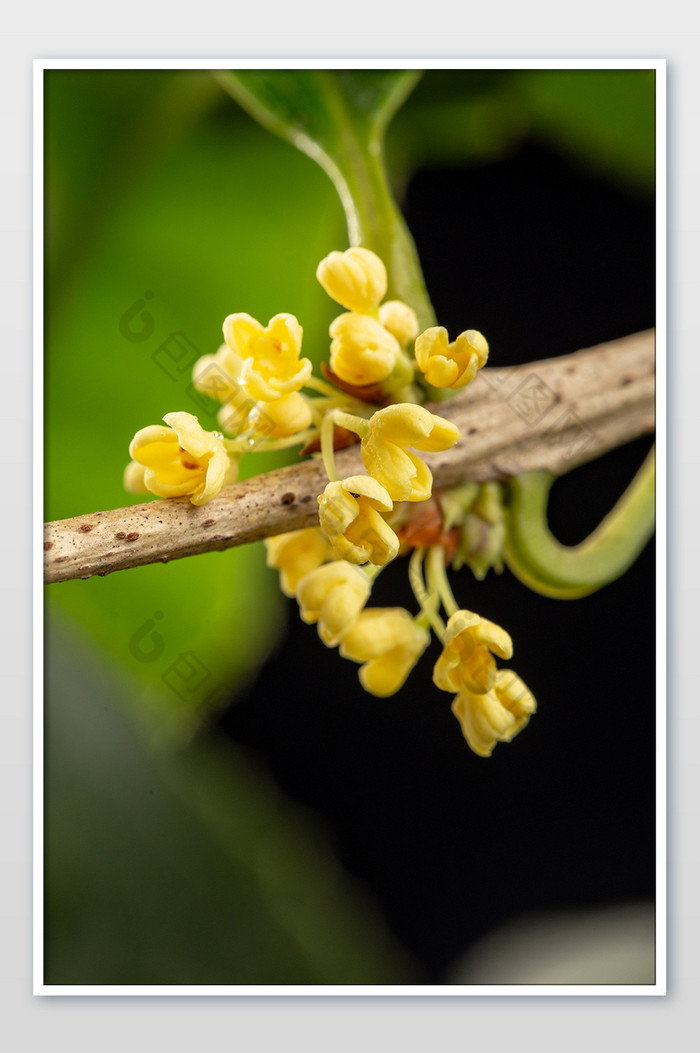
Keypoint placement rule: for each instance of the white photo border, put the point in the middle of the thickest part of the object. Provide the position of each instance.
(658, 988)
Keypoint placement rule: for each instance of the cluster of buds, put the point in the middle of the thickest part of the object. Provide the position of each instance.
(368, 341)
(269, 399)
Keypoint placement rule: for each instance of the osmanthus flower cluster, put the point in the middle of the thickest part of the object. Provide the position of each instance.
(374, 384)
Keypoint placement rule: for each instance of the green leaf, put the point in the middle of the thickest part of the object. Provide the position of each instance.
(338, 118)
(306, 103)
(186, 867)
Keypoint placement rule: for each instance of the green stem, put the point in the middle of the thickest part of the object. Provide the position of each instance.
(437, 578)
(360, 425)
(428, 601)
(373, 217)
(322, 386)
(567, 572)
(242, 444)
(327, 446)
(371, 571)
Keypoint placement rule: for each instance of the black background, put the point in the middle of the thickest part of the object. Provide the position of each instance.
(544, 259)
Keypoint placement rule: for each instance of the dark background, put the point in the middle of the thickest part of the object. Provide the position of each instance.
(450, 844)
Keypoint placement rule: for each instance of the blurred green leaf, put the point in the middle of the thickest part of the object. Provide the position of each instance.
(314, 106)
(103, 130)
(604, 117)
(225, 219)
(456, 117)
(338, 118)
(601, 118)
(187, 868)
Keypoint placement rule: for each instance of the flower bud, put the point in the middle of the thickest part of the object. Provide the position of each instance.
(389, 643)
(362, 351)
(496, 716)
(278, 420)
(134, 478)
(296, 554)
(333, 595)
(350, 515)
(356, 278)
(400, 320)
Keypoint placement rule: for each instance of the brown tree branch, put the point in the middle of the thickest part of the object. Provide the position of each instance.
(554, 414)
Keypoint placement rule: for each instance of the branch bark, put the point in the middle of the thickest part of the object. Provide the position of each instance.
(554, 414)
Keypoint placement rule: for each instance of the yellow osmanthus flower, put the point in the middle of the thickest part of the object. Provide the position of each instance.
(296, 554)
(400, 320)
(362, 351)
(454, 365)
(350, 515)
(385, 448)
(389, 643)
(356, 278)
(182, 459)
(219, 376)
(467, 660)
(496, 715)
(333, 595)
(270, 363)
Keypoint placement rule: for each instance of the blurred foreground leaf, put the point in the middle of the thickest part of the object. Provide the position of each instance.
(604, 117)
(456, 117)
(601, 118)
(189, 868)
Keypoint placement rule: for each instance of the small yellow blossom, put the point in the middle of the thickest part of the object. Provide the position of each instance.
(385, 448)
(452, 365)
(182, 459)
(389, 643)
(496, 715)
(362, 351)
(270, 363)
(467, 659)
(295, 554)
(350, 514)
(219, 376)
(400, 320)
(356, 278)
(278, 420)
(333, 595)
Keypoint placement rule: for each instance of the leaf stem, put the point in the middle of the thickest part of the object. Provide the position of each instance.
(567, 572)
